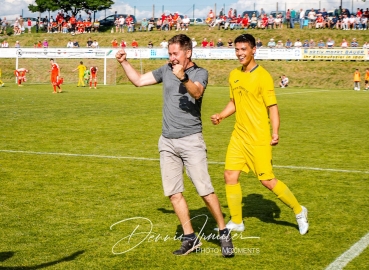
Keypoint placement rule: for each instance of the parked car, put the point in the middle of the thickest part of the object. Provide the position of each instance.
(109, 21)
(197, 21)
(275, 13)
(250, 12)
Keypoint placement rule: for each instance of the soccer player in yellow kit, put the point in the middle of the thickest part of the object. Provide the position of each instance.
(253, 100)
(1, 82)
(81, 71)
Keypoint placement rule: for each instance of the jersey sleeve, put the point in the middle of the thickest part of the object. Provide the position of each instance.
(267, 91)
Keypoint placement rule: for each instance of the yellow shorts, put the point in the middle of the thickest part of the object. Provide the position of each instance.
(245, 157)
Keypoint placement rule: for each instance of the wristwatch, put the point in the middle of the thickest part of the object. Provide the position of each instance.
(185, 79)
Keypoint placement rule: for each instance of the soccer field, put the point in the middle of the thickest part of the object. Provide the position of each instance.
(81, 186)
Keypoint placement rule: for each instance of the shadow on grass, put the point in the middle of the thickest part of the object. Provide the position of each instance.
(6, 255)
(265, 210)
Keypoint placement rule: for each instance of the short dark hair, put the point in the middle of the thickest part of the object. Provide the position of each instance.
(183, 40)
(245, 38)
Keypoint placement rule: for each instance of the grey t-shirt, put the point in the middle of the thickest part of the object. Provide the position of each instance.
(181, 112)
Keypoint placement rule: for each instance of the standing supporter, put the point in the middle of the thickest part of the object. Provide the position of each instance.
(256, 131)
(20, 73)
(121, 24)
(29, 25)
(130, 23)
(56, 80)
(292, 20)
(21, 24)
(73, 23)
(116, 23)
(357, 80)
(81, 71)
(302, 18)
(88, 26)
(288, 18)
(93, 76)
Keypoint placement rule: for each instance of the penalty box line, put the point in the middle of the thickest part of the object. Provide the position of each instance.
(350, 254)
(156, 159)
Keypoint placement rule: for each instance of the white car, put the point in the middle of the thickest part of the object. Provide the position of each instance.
(197, 21)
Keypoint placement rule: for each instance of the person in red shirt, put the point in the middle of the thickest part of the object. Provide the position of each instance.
(20, 73)
(73, 21)
(211, 44)
(130, 23)
(245, 22)
(93, 76)
(204, 43)
(264, 21)
(114, 43)
(123, 44)
(134, 44)
(56, 81)
(88, 25)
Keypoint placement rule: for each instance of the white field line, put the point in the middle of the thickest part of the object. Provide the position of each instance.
(156, 159)
(350, 254)
(292, 93)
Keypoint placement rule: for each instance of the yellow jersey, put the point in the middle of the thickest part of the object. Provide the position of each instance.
(252, 92)
(81, 70)
(356, 76)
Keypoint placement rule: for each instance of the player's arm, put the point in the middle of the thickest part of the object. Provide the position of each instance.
(133, 75)
(229, 109)
(274, 120)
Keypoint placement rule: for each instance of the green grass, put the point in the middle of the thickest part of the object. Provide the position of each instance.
(70, 169)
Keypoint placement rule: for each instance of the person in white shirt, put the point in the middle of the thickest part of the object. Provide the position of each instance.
(95, 44)
(297, 44)
(70, 44)
(345, 23)
(302, 18)
(194, 43)
(164, 44)
(186, 22)
(5, 44)
(284, 81)
(121, 24)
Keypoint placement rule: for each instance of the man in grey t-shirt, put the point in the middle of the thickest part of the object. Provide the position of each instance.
(181, 143)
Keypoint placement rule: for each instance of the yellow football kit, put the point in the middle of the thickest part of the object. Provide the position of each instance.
(81, 72)
(249, 147)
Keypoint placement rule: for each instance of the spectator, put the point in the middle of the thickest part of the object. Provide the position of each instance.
(158, 24)
(332, 23)
(95, 44)
(165, 25)
(21, 23)
(259, 44)
(364, 22)
(302, 18)
(344, 44)
(5, 44)
(271, 23)
(358, 24)
(211, 44)
(70, 44)
(253, 21)
(264, 22)
(164, 44)
(45, 44)
(186, 22)
(4, 25)
(144, 24)
(292, 20)
(220, 43)
(352, 22)
(151, 24)
(130, 23)
(75, 44)
(29, 25)
(284, 81)
(230, 43)
(279, 44)
(366, 45)
(17, 44)
(319, 22)
(96, 26)
(89, 43)
(311, 17)
(121, 24)
(114, 43)
(354, 43)
(39, 44)
(123, 44)
(204, 43)
(330, 43)
(306, 44)
(345, 23)
(116, 23)
(134, 44)
(194, 43)
(149, 45)
(288, 18)
(297, 44)
(278, 22)
(312, 43)
(288, 44)
(321, 44)
(271, 43)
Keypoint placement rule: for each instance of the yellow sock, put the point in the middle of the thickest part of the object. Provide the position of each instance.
(286, 196)
(234, 200)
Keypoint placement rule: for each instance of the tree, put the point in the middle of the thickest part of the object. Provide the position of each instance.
(70, 6)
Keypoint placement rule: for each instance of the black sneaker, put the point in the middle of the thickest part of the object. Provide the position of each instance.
(226, 245)
(188, 246)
